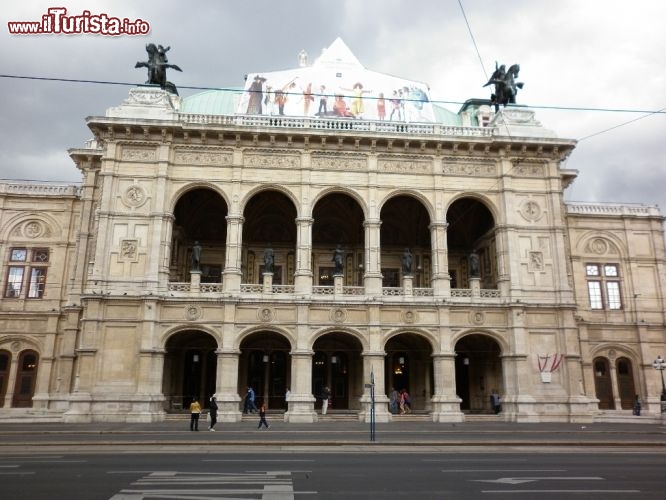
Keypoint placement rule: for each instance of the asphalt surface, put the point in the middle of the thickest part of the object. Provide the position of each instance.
(406, 435)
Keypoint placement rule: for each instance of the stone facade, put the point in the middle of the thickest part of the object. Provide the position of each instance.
(125, 328)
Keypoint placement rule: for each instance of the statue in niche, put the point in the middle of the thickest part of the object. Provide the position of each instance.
(196, 257)
(474, 270)
(338, 258)
(269, 259)
(506, 87)
(157, 65)
(407, 259)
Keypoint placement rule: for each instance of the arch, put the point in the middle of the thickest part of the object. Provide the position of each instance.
(265, 367)
(613, 351)
(53, 230)
(183, 190)
(338, 190)
(409, 368)
(26, 378)
(479, 374)
(338, 365)
(190, 366)
(481, 198)
(586, 240)
(269, 228)
(199, 221)
(472, 243)
(411, 194)
(431, 338)
(497, 337)
(342, 329)
(175, 330)
(247, 197)
(244, 334)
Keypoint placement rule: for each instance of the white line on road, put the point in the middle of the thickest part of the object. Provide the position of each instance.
(516, 492)
(503, 470)
(520, 480)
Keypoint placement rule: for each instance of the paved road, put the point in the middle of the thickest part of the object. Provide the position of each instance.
(285, 476)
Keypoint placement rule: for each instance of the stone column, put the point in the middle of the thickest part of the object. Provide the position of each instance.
(232, 266)
(227, 385)
(303, 276)
(301, 401)
(441, 281)
(445, 401)
(372, 279)
(373, 368)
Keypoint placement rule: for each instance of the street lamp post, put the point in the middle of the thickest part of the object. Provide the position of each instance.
(660, 364)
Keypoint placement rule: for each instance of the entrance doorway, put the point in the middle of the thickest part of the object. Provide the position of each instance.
(602, 384)
(478, 372)
(408, 366)
(190, 368)
(5, 363)
(337, 365)
(265, 365)
(26, 377)
(625, 383)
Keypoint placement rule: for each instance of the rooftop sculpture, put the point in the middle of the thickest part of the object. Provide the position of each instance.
(506, 86)
(157, 65)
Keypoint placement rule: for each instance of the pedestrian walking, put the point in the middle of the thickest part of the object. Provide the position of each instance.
(250, 406)
(212, 414)
(637, 406)
(394, 399)
(495, 401)
(325, 399)
(195, 412)
(262, 417)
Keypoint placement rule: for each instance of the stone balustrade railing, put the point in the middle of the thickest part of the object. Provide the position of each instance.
(294, 122)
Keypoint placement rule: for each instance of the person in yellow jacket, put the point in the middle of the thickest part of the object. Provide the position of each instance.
(195, 411)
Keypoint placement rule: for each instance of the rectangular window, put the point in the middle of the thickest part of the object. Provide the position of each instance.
(37, 281)
(613, 295)
(40, 255)
(24, 281)
(604, 289)
(14, 282)
(18, 255)
(594, 291)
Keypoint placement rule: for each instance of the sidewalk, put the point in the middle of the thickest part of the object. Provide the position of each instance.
(245, 435)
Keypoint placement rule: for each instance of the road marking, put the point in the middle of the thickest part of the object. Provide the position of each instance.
(503, 470)
(520, 480)
(253, 460)
(268, 485)
(516, 492)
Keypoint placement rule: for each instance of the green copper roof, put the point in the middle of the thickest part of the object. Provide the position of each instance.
(212, 102)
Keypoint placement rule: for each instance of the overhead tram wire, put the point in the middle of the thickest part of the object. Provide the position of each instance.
(241, 91)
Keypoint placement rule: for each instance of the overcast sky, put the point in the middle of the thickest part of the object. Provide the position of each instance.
(606, 54)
